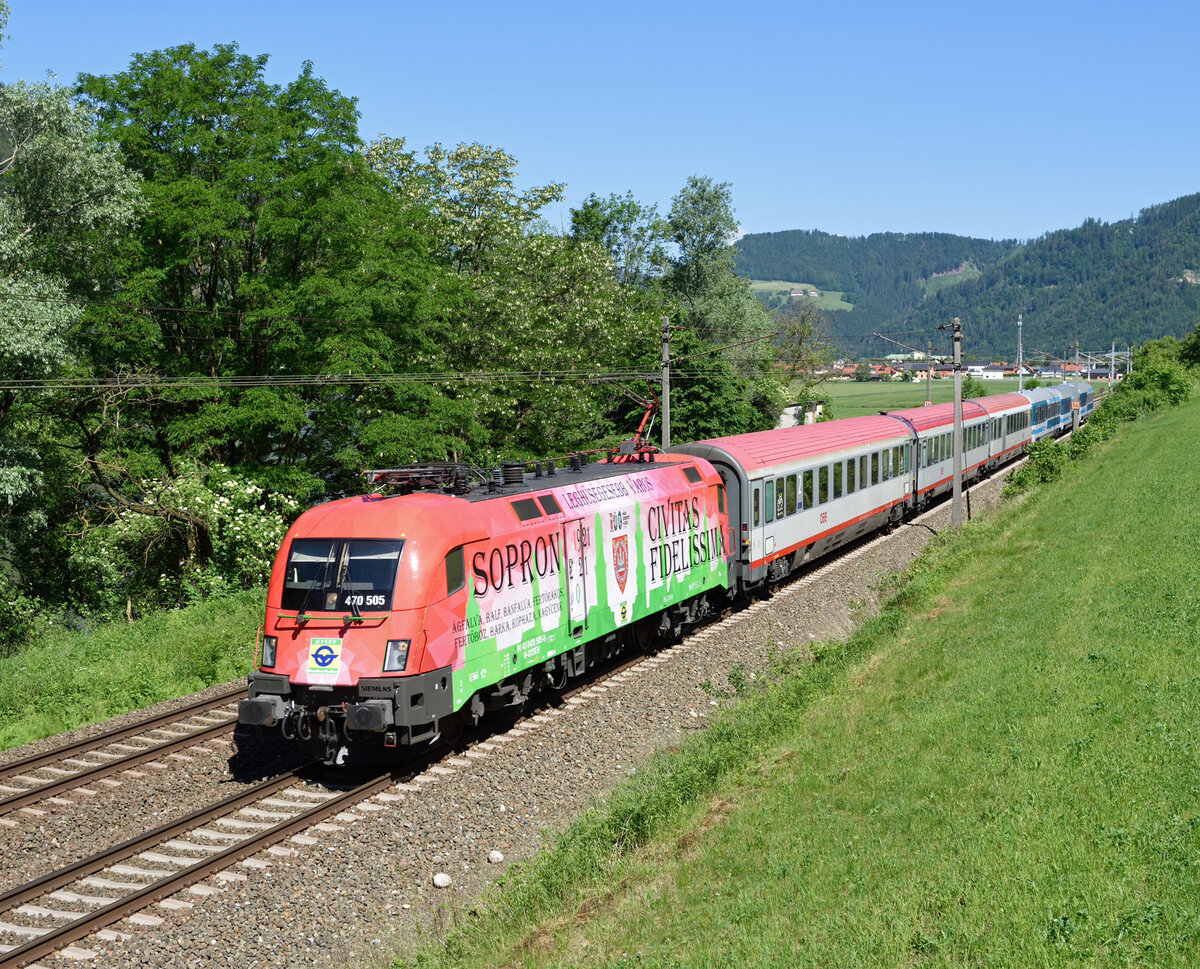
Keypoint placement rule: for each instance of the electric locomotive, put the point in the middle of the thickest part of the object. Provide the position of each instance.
(392, 620)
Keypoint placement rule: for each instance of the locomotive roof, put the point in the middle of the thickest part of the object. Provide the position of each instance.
(764, 449)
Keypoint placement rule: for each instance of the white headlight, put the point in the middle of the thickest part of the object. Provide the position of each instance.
(395, 658)
(270, 646)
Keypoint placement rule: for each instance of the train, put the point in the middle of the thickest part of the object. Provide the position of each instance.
(396, 618)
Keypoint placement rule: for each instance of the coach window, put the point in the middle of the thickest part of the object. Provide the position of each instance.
(863, 480)
(896, 462)
(770, 500)
(850, 475)
(791, 494)
(906, 460)
(808, 489)
(837, 480)
(456, 572)
(823, 483)
(779, 498)
(757, 502)
(874, 467)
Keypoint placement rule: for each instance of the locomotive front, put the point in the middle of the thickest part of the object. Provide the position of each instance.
(346, 663)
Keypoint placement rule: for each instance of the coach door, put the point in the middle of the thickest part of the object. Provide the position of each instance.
(575, 547)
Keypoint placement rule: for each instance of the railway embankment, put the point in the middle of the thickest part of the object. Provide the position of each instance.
(999, 768)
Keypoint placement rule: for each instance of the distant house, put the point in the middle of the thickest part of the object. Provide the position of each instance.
(813, 293)
(796, 292)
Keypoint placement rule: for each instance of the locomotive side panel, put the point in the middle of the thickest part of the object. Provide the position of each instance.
(620, 551)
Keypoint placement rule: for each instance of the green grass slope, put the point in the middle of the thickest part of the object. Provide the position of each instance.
(69, 679)
(998, 770)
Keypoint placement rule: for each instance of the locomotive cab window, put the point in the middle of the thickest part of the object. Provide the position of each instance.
(332, 574)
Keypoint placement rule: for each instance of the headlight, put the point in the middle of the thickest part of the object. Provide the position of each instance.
(395, 658)
(270, 645)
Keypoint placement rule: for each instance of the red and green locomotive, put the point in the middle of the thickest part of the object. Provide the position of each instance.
(392, 619)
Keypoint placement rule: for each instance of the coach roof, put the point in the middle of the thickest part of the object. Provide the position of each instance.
(766, 449)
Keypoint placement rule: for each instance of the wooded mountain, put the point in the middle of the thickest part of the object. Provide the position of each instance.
(884, 275)
(1126, 281)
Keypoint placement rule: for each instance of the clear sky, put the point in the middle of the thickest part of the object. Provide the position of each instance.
(1000, 120)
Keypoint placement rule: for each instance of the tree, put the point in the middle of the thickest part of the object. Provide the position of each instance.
(805, 352)
(65, 200)
(863, 371)
(718, 305)
(633, 235)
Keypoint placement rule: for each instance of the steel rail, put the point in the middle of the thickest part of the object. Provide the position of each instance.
(55, 939)
(87, 775)
(35, 761)
(126, 849)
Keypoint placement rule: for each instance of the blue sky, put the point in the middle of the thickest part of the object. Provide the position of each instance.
(1002, 120)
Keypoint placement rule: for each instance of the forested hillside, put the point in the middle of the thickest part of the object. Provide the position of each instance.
(883, 275)
(1127, 281)
(1124, 282)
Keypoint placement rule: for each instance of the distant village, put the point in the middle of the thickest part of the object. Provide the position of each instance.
(916, 367)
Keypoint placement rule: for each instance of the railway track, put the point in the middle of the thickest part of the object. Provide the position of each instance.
(222, 834)
(58, 771)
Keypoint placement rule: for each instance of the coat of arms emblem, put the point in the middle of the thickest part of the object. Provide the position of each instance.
(620, 548)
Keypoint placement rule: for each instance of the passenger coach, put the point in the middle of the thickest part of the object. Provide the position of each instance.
(798, 492)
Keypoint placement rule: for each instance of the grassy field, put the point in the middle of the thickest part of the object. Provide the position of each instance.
(998, 770)
(938, 283)
(853, 398)
(72, 678)
(828, 300)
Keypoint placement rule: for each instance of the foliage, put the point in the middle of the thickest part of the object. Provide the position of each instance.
(1159, 369)
(633, 234)
(202, 532)
(66, 678)
(804, 351)
(973, 387)
(1164, 383)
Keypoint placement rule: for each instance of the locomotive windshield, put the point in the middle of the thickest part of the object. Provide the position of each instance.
(332, 574)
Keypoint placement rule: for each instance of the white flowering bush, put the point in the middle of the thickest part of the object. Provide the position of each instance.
(204, 533)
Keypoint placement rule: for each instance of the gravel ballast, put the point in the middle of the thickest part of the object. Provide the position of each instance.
(366, 891)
